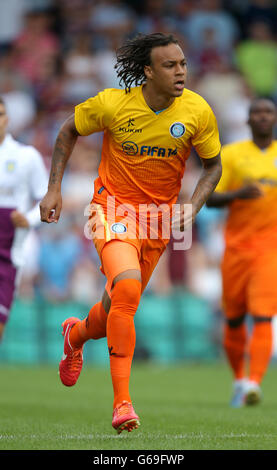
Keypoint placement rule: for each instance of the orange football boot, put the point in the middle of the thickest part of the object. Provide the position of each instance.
(125, 418)
(72, 360)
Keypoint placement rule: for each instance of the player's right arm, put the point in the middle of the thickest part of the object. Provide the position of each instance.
(231, 186)
(51, 204)
(93, 115)
(222, 199)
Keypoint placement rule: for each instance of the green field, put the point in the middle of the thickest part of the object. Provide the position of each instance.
(181, 407)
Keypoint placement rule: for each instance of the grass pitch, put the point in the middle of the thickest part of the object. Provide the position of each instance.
(184, 407)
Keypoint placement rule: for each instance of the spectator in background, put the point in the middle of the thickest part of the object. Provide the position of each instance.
(75, 18)
(210, 29)
(35, 45)
(156, 17)
(60, 252)
(11, 19)
(22, 109)
(227, 92)
(41, 133)
(259, 10)
(256, 59)
(85, 281)
(111, 20)
(17, 94)
(9, 77)
(82, 77)
(80, 176)
(234, 116)
(105, 60)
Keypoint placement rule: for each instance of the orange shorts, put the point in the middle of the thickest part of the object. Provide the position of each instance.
(249, 282)
(107, 223)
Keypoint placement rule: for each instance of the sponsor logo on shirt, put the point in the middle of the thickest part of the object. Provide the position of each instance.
(157, 151)
(130, 127)
(131, 148)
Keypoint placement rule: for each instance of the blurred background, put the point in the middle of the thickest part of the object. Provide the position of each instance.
(57, 53)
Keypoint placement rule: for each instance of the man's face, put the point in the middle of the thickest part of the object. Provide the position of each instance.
(262, 117)
(3, 120)
(168, 70)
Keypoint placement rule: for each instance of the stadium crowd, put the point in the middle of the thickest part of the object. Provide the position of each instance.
(55, 54)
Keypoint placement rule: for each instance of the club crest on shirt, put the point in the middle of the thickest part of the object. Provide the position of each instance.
(177, 129)
(118, 228)
(10, 166)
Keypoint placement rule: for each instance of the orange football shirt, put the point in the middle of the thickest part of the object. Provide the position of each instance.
(250, 222)
(144, 154)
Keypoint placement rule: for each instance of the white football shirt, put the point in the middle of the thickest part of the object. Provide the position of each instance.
(23, 183)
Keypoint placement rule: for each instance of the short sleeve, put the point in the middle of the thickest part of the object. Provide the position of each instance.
(206, 141)
(94, 114)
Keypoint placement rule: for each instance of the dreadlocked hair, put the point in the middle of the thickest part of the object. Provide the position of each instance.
(133, 56)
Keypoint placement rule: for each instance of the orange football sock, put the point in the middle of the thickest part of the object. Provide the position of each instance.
(260, 350)
(92, 327)
(235, 340)
(121, 335)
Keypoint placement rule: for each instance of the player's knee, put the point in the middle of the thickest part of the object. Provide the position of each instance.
(127, 293)
(236, 322)
(106, 301)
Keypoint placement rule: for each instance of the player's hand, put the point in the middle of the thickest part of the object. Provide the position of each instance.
(183, 217)
(50, 207)
(249, 191)
(19, 220)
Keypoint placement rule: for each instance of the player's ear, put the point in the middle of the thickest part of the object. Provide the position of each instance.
(148, 71)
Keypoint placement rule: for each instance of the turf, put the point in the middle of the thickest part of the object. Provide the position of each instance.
(181, 407)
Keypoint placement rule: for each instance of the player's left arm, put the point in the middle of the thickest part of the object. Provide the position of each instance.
(207, 145)
(211, 174)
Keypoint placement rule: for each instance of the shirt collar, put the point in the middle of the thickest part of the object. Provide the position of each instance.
(7, 140)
